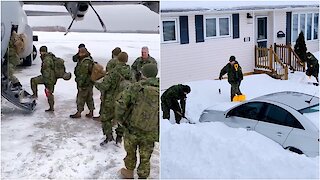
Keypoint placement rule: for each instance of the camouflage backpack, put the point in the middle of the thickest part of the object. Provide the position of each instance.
(59, 68)
(145, 113)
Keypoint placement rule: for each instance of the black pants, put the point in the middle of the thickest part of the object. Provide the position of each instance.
(166, 105)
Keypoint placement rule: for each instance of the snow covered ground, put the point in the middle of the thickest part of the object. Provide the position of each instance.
(52, 145)
(214, 150)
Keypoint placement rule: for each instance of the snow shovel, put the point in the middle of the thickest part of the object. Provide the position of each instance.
(239, 98)
(184, 117)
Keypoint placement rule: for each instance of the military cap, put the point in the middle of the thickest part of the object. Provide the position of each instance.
(43, 49)
(123, 57)
(116, 51)
(150, 70)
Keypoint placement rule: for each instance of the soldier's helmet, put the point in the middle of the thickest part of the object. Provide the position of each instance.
(186, 88)
(150, 70)
(43, 49)
(67, 76)
(116, 51)
(123, 57)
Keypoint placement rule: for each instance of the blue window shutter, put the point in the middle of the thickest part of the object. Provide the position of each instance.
(235, 26)
(184, 30)
(199, 28)
(288, 28)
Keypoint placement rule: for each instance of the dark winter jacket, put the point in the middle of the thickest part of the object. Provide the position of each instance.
(312, 65)
(234, 72)
(171, 96)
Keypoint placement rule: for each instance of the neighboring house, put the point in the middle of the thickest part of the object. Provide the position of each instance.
(197, 43)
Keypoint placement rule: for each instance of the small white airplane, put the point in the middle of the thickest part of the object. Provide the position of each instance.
(14, 18)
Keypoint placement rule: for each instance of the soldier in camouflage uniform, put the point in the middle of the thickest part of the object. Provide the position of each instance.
(169, 100)
(47, 77)
(135, 137)
(82, 73)
(235, 76)
(313, 66)
(140, 61)
(110, 65)
(13, 60)
(75, 58)
(111, 87)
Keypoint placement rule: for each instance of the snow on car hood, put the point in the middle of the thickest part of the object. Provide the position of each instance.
(223, 106)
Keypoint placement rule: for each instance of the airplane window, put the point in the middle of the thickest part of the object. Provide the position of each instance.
(248, 110)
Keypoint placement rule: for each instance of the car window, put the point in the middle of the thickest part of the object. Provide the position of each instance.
(310, 109)
(278, 115)
(249, 110)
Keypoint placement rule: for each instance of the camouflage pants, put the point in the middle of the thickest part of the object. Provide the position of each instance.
(50, 87)
(107, 115)
(12, 77)
(166, 105)
(85, 96)
(146, 145)
(235, 89)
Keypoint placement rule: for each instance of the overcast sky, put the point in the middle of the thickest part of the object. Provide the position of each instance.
(115, 17)
(165, 4)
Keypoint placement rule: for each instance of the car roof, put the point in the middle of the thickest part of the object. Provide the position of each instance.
(296, 100)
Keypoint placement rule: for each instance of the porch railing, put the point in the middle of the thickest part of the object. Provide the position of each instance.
(267, 60)
(289, 57)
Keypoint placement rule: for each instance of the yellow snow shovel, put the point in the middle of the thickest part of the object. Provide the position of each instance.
(239, 98)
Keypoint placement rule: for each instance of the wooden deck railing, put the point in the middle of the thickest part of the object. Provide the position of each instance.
(269, 61)
(289, 57)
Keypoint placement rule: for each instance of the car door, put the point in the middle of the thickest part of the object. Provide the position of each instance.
(273, 123)
(244, 116)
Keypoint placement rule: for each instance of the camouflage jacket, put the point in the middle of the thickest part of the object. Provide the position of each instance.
(234, 72)
(75, 57)
(112, 64)
(137, 65)
(111, 82)
(83, 72)
(14, 58)
(126, 101)
(47, 68)
(175, 93)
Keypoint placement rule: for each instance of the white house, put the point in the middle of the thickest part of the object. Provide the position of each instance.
(197, 42)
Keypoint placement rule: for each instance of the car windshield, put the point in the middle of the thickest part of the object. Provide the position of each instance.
(310, 109)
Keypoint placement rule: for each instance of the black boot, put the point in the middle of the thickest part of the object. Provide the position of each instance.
(118, 139)
(108, 138)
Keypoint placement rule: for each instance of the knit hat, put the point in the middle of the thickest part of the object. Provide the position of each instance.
(116, 51)
(123, 57)
(81, 45)
(186, 88)
(232, 58)
(150, 70)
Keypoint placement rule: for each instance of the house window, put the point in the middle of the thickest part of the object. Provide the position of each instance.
(217, 27)
(315, 25)
(169, 30)
(306, 23)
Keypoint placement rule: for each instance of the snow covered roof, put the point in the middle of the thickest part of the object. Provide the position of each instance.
(191, 6)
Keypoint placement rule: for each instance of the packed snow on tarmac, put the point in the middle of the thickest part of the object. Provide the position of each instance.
(214, 150)
(52, 145)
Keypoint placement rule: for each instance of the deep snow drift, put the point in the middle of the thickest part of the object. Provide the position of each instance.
(214, 150)
(52, 145)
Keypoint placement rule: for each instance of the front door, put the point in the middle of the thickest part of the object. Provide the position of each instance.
(262, 31)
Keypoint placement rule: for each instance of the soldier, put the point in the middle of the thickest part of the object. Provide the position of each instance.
(235, 76)
(84, 83)
(13, 60)
(137, 109)
(110, 65)
(169, 100)
(47, 77)
(75, 58)
(112, 85)
(313, 67)
(140, 61)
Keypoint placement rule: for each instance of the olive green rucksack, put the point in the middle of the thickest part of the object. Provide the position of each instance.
(145, 113)
(59, 68)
